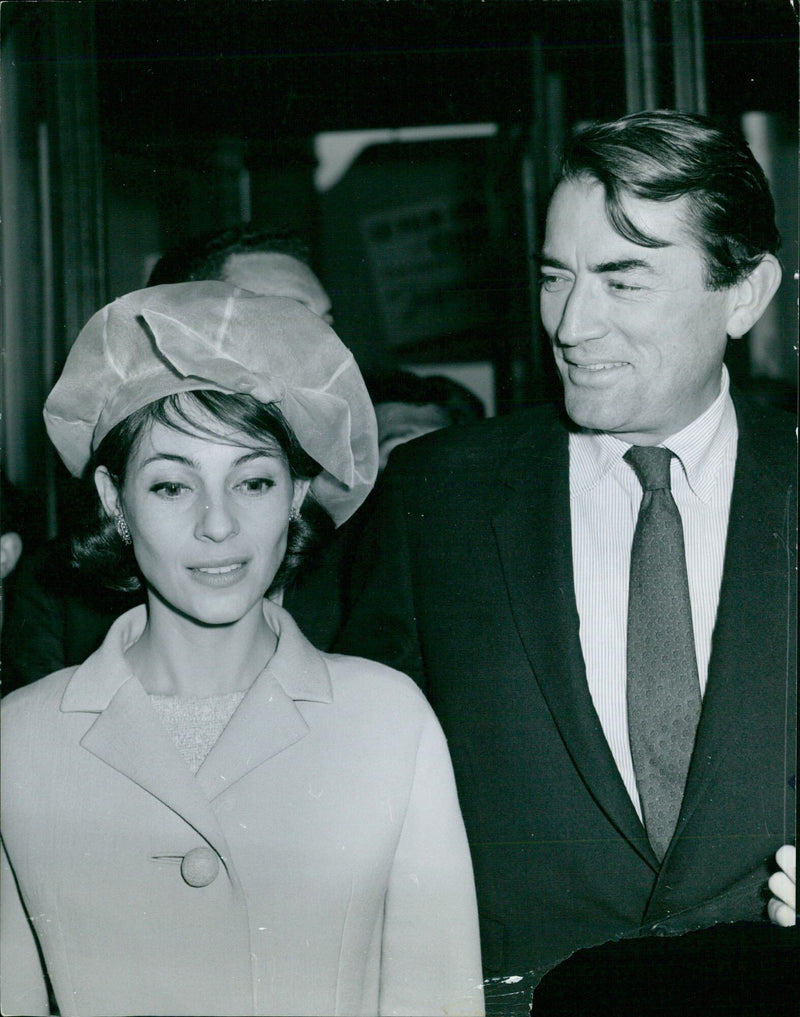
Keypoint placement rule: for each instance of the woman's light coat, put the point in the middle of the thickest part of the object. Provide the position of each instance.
(344, 883)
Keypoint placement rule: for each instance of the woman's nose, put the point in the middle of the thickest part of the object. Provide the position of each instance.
(216, 520)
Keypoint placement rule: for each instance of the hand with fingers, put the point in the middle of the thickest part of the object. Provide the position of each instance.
(782, 908)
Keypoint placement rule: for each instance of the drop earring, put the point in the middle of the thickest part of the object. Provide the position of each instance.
(122, 527)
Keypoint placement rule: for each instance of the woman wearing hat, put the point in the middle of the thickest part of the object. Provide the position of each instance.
(210, 816)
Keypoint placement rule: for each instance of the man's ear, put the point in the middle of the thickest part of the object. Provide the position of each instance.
(10, 550)
(751, 296)
(107, 491)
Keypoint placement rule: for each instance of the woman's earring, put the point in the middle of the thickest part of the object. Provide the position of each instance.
(294, 515)
(122, 527)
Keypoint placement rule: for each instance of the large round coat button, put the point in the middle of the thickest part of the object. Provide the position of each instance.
(200, 866)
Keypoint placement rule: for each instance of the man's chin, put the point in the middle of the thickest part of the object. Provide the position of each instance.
(590, 415)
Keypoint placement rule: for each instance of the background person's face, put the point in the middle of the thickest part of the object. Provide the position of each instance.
(401, 422)
(637, 337)
(10, 552)
(278, 275)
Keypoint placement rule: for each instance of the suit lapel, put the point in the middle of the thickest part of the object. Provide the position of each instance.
(540, 585)
(752, 643)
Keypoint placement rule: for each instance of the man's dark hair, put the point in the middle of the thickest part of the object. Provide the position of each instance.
(97, 548)
(661, 155)
(203, 257)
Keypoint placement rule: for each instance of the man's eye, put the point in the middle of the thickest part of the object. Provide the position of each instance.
(256, 485)
(551, 282)
(620, 287)
(169, 489)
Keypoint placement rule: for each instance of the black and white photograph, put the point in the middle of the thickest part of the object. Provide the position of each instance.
(398, 446)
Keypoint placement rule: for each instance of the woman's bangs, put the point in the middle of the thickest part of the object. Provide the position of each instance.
(220, 416)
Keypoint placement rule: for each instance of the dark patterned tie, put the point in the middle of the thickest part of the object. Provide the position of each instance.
(663, 686)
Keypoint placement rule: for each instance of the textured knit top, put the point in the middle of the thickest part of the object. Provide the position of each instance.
(195, 723)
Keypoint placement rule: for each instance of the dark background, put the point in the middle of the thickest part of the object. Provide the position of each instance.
(258, 69)
(129, 125)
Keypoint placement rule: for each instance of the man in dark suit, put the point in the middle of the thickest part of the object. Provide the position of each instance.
(625, 759)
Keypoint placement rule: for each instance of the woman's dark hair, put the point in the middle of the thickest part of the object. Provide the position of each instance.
(661, 155)
(98, 549)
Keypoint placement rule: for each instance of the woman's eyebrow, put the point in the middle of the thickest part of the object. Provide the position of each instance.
(172, 458)
(257, 453)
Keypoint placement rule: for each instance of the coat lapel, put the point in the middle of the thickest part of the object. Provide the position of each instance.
(540, 584)
(268, 719)
(128, 735)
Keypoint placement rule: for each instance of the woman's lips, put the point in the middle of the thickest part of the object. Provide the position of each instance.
(222, 574)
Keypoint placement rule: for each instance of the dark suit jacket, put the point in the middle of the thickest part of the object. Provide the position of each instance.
(471, 591)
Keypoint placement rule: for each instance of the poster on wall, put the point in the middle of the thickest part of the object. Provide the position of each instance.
(428, 267)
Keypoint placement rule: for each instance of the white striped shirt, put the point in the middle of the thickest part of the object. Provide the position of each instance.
(604, 503)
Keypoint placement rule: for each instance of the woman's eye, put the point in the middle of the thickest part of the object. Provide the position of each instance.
(255, 485)
(169, 489)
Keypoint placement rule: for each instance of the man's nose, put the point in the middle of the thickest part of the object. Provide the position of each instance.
(216, 519)
(581, 315)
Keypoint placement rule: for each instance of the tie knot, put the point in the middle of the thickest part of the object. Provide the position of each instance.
(651, 465)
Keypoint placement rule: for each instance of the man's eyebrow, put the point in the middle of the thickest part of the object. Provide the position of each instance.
(618, 265)
(543, 258)
(622, 265)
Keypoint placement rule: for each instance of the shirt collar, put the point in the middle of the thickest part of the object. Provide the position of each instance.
(701, 447)
(704, 444)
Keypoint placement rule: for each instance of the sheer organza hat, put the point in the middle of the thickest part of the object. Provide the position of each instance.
(210, 335)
